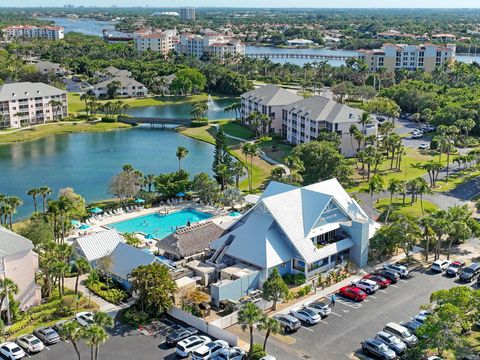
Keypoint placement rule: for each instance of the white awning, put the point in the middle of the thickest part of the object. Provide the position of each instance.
(335, 248)
(324, 229)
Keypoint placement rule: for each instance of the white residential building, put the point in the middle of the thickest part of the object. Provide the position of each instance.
(47, 67)
(30, 31)
(128, 88)
(162, 42)
(27, 103)
(217, 44)
(187, 14)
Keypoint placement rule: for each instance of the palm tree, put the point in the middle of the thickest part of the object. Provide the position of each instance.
(72, 332)
(149, 180)
(95, 335)
(422, 188)
(375, 186)
(103, 319)
(248, 316)
(365, 120)
(182, 153)
(45, 191)
(270, 326)
(393, 188)
(7, 288)
(5, 210)
(56, 107)
(246, 149)
(83, 266)
(238, 171)
(426, 222)
(33, 193)
(14, 202)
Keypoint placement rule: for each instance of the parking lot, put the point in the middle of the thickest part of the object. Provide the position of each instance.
(339, 335)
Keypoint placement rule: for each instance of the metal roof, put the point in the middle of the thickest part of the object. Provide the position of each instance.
(98, 245)
(125, 258)
(26, 90)
(271, 95)
(12, 243)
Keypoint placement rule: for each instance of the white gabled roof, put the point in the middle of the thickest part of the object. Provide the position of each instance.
(98, 245)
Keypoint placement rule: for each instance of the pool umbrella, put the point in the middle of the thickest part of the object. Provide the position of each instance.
(84, 227)
(96, 210)
(75, 222)
(139, 201)
(180, 194)
(149, 236)
(234, 213)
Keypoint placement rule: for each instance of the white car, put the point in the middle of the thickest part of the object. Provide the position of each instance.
(269, 357)
(400, 269)
(186, 347)
(424, 146)
(306, 315)
(440, 265)
(84, 318)
(235, 353)
(210, 350)
(319, 307)
(11, 351)
(369, 286)
(30, 343)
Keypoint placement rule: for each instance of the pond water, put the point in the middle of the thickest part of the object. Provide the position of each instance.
(84, 26)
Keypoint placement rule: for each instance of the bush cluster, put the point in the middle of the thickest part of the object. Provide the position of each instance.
(294, 279)
(112, 295)
(199, 123)
(135, 317)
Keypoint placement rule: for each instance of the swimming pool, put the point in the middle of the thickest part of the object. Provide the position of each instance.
(160, 226)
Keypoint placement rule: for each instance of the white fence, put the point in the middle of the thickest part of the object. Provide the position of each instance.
(226, 321)
(209, 329)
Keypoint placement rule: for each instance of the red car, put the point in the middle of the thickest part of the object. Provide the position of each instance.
(352, 292)
(380, 280)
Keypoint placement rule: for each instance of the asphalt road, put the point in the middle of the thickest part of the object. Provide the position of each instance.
(339, 335)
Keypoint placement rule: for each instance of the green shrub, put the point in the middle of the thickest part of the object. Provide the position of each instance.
(109, 119)
(304, 291)
(19, 325)
(44, 315)
(257, 352)
(294, 279)
(199, 123)
(49, 305)
(135, 317)
(434, 144)
(112, 295)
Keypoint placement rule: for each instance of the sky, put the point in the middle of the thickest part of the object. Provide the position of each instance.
(255, 3)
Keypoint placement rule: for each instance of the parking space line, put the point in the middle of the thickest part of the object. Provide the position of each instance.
(323, 322)
(336, 314)
(46, 347)
(403, 280)
(26, 354)
(383, 291)
(373, 296)
(349, 303)
(395, 286)
(303, 327)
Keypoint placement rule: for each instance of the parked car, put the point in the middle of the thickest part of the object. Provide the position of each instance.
(353, 293)
(235, 353)
(11, 351)
(400, 269)
(47, 335)
(269, 357)
(320, 307)
(380, 119)
(471, 357)
(377, 348)
(59, 325)
(434, 358)
(84, 318)
(383, 282)
(180, 334)
(306, 315)
(424, 146)
(210, 350)
(392, 341)
(411, 325)
(402, 332)
(369, 286)
(440, 265)
(455, 268)
(470, 272)
(30, 343)
(422, 316)
(188, 346)
(288, 322)
(393, 276)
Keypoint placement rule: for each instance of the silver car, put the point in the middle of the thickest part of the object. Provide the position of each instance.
(392, 341)
(47, 335)
(30, 343)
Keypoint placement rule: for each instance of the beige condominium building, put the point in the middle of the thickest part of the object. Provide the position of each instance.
(29, 31)
(424, 57)
(162, 42)
(27, 103)
(215, 44)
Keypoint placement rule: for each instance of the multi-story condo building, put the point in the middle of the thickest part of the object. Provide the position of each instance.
(127, 87)
(29, 31)
(269, 100)
(424, 57)
(27, 103)
(215, 44)
(162, 42)
(444, 38)
(187, 14)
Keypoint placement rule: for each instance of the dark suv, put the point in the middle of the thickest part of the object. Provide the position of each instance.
(470, 272)
(179, 335)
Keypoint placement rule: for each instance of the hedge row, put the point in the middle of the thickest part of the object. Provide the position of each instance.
(111, 295)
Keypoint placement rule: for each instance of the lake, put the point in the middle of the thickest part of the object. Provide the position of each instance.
(88, 161)
(84, 26)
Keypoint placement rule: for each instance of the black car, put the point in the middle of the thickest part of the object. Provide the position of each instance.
(391, 275)
(412, 325)
(179, 335)
(470, 272)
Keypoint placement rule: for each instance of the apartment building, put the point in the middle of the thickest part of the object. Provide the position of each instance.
(48, 67)
(27, 103)
(187, 14)
(162, 42)
(444, 38)
(19, 263)
(215, 44)
(128, 87)
(424, 57)
(29, 31)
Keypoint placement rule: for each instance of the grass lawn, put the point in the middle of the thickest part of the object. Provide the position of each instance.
(59, 128)
(235, 129)
(456, 179)
(275, 150)
(414, 210)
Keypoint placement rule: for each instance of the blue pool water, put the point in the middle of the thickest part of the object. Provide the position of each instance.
(160, 226)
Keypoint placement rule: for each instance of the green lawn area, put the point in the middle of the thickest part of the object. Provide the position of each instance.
(458, 178)
(414, 210)
(237, 130)
(275, 150)
(59, 128)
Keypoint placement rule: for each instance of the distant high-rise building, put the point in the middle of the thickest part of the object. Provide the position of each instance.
(187, 14)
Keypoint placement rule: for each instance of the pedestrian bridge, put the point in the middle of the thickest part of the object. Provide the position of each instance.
(135, 120)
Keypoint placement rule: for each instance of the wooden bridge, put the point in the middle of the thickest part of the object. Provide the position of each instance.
(300, 56)
(135, 120)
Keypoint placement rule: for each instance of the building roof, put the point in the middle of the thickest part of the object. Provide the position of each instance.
(271, 95)
(12, 243)
(125, 258)
(98, 245)
(47, 65)
(325, 109)
(280, 226)
(23, 90)
(124, 81)
(190, 240)
(113, 71)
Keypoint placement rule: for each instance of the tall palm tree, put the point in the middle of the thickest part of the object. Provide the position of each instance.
(95, 335)
(182, 153)
(34, 193)
(393, 188)
(45, 191)
(7, 288)
(149, 180)
(14, 202)
(238, 171)
(5, 210)
(375, 185)
(103, 319)
(422, 188)
(248, 316)
(246, 151)
(365, 120)
(271, 326)
(83, 266)
(72, 332)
